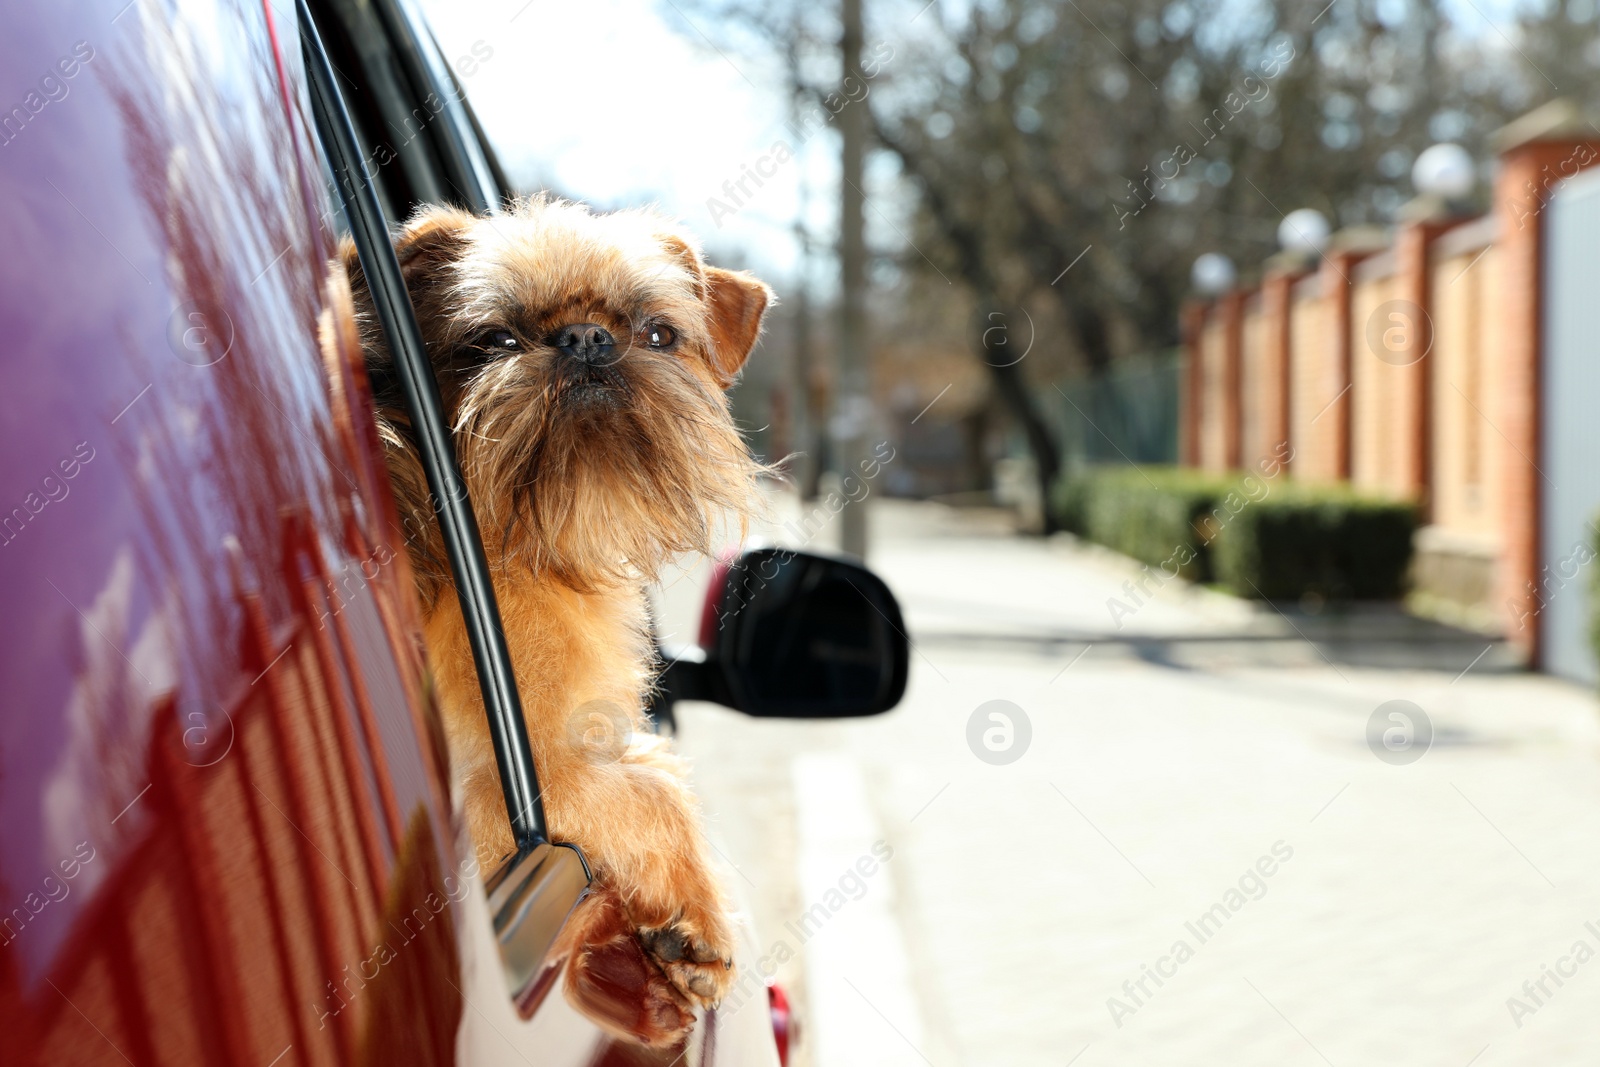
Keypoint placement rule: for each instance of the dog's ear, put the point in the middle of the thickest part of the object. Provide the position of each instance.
(736, 301)
(429, 240)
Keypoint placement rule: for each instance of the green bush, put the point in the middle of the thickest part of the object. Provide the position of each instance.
(1149, 513)
(1332, 542)
(1069, 499)
(1257, 533)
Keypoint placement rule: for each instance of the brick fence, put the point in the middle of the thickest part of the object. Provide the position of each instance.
(1407, 363)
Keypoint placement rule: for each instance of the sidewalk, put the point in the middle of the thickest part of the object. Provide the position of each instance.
(1198, 859)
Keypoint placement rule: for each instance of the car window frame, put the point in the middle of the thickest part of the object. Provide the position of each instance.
(534, 891)
(370, 229)
(456, 139)
(407, 107)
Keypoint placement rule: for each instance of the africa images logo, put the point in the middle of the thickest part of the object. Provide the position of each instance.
(999, 732)
(1399, 732)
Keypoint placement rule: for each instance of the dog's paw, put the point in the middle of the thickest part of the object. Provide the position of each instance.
(618, 984)
(700, 964)
(614, 981)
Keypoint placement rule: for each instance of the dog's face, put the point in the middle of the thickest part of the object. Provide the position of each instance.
(582, 360)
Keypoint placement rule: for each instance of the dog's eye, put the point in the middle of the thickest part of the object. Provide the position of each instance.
(657, 335)
(500, 341)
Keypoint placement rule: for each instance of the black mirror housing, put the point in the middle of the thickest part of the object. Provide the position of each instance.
(788, 634)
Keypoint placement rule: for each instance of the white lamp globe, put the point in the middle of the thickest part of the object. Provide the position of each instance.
(1213, 274)
(1305, 230)
(1444, 170)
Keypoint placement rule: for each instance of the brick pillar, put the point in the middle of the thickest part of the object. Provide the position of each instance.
(1536, 152)
(1338, 264)
(1230, 308)
(1277, 295)
(1414, 284)
(1193, 326)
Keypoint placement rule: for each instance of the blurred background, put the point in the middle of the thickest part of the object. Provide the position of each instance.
(1212, 383)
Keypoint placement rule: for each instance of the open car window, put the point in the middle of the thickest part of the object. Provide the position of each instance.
(536, 888)
(419, 140)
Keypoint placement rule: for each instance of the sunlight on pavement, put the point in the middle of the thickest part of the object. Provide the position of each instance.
(1200, 858)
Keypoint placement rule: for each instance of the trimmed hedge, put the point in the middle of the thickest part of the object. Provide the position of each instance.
(1335, 543)
(1153, 514)
(1257, 533)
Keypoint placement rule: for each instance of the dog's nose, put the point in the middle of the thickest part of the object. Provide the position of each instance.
(585, 342)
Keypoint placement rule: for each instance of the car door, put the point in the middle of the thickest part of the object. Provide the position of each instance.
(226, 832)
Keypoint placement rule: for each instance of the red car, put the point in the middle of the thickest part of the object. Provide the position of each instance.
(226, 834)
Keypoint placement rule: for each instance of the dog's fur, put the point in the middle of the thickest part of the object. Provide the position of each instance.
(585, 481)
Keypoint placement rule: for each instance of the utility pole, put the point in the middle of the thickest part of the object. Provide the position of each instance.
(852, 408)
(810, 423)
(810, 420)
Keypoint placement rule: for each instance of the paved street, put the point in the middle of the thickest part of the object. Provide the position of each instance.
(1198, 859)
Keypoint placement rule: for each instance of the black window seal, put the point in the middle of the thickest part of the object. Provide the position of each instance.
(463, 544)
(467, 167)
(384, 105)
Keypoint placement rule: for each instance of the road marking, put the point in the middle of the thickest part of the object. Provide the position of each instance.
(858, 973)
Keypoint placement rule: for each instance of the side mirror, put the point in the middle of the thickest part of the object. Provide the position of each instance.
(788, 634)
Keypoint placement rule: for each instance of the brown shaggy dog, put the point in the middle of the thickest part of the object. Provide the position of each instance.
(582, 359)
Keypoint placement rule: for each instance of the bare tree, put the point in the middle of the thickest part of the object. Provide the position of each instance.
(1075, 158)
